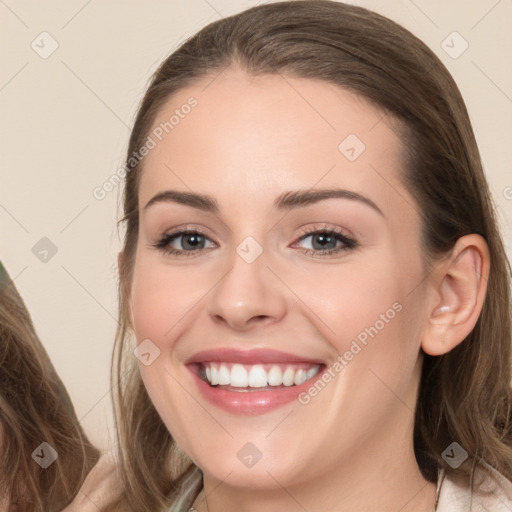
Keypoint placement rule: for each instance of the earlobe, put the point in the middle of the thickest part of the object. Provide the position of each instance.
(458, 289)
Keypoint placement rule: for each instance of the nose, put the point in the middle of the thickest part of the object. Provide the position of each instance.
(247, 295)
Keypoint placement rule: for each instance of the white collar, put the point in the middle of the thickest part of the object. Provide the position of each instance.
(495, 492)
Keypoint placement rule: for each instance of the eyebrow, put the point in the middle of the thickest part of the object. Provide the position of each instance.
(285, 202)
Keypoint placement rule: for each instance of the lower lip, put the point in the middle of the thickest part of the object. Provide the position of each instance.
(251, 403)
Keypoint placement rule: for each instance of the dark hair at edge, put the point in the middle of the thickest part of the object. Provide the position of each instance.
(465, 395)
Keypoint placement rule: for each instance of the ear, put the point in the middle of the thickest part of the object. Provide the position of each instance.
(125, 288)
(456, 295)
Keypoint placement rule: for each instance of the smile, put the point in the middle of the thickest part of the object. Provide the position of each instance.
(251, 382)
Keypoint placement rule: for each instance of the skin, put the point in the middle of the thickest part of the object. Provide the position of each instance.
(102, 485)
(249, 140)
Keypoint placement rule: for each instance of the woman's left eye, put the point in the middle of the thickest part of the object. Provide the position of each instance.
(323, 242)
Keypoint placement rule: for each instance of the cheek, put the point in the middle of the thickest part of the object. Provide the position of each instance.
(159, 300)
(366, 312)
(349, 298)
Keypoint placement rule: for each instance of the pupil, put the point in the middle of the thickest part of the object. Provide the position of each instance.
(324, 240)
(192, 241)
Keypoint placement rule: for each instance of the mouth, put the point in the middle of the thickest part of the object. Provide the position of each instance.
(250, 382)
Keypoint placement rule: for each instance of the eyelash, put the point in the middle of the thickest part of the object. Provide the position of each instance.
(349, 243)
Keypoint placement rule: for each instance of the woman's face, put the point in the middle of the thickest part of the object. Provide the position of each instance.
(267, 288)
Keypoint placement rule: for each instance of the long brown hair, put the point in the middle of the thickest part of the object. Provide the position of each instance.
(465, 395)
(35, 408)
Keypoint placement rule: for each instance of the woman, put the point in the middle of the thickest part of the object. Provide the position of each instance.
(313, 275)
(45, 455)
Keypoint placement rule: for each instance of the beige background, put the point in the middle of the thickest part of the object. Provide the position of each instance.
(65, 126)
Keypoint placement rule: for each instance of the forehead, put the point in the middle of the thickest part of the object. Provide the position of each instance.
(241, 136)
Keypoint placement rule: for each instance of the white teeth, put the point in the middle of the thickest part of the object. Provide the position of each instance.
(214, 376)
(275, 376)
(300, 377)
(256, 376)
(288, 376)
(311, 372)
(224, 376)
(238, 376)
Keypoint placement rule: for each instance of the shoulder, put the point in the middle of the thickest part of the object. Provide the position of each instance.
(494, 492)
(101, 487)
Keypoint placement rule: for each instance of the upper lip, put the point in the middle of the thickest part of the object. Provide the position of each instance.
(253, 356)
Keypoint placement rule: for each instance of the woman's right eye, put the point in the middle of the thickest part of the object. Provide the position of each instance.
(191, 241)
